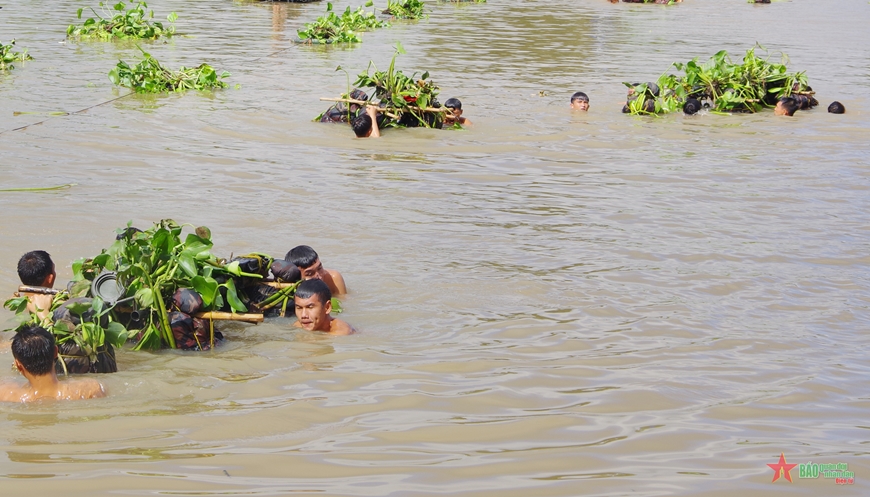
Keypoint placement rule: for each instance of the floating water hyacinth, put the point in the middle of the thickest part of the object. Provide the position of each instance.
(118, 22)
(7, 56)
(332, 28)
(149, 76)
(406, 9)
(722, 85)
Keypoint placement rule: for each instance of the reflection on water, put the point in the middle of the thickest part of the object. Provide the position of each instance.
(645, 306)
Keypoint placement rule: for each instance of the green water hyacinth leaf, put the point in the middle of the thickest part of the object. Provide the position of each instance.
(336, 306)
(187, 264)
(116, 334)
(233, 297)
(80, 288)
(150, 339)
(145, 298)
(17, 304)
(234, 269)
(79, 308)
(207, 288)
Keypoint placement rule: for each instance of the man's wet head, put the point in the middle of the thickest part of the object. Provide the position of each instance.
(308, 262)
(34, 351)
(580, 101)
(36, 269)
(313, 302)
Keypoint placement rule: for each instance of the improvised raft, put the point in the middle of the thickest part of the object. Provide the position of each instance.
(157, 290)
(402, 100)
(722, 86)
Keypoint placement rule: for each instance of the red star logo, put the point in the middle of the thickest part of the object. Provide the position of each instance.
(781, 468)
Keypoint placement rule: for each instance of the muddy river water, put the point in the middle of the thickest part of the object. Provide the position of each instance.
(550, 304)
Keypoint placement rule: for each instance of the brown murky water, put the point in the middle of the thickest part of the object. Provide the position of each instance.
(551, 304)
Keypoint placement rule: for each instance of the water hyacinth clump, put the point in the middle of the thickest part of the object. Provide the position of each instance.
(406, 97)
(121, 23)
(7, 56)
(344, 28)
(722, 85)
(161, 271)
(406, 9)
(149, 76)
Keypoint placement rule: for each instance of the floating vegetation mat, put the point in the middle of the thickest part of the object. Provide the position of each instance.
(7, 56)
(344, 28)
(721, 85)
(406, 9)
(122, 23)
(149, 76)
(407, 101)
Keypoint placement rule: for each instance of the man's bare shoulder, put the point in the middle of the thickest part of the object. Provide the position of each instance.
(9, 392)
(84, 388)
(338, 281)
(339, 327)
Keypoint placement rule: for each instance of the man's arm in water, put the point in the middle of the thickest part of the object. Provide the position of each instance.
(372, 111)
(90, 389)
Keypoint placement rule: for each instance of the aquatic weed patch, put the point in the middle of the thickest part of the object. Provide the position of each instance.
(149, 76)
(344, 28)
(409, 98)
(722, 85)
(120, 22)
(406, 9)
(8, 56)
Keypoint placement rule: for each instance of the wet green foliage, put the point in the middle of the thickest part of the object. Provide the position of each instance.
(149, 76)
(406, 9)
(94, 329)
(120, 22)
(344, 28)
(754, 84)
(152, 264)
(7, 56)
(407, 94)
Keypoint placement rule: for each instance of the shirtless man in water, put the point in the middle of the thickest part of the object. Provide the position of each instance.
(37, 269)
(313, 304)
(308, 262)
(35, 355)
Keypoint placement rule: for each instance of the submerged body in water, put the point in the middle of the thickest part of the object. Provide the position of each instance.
(35, 356)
